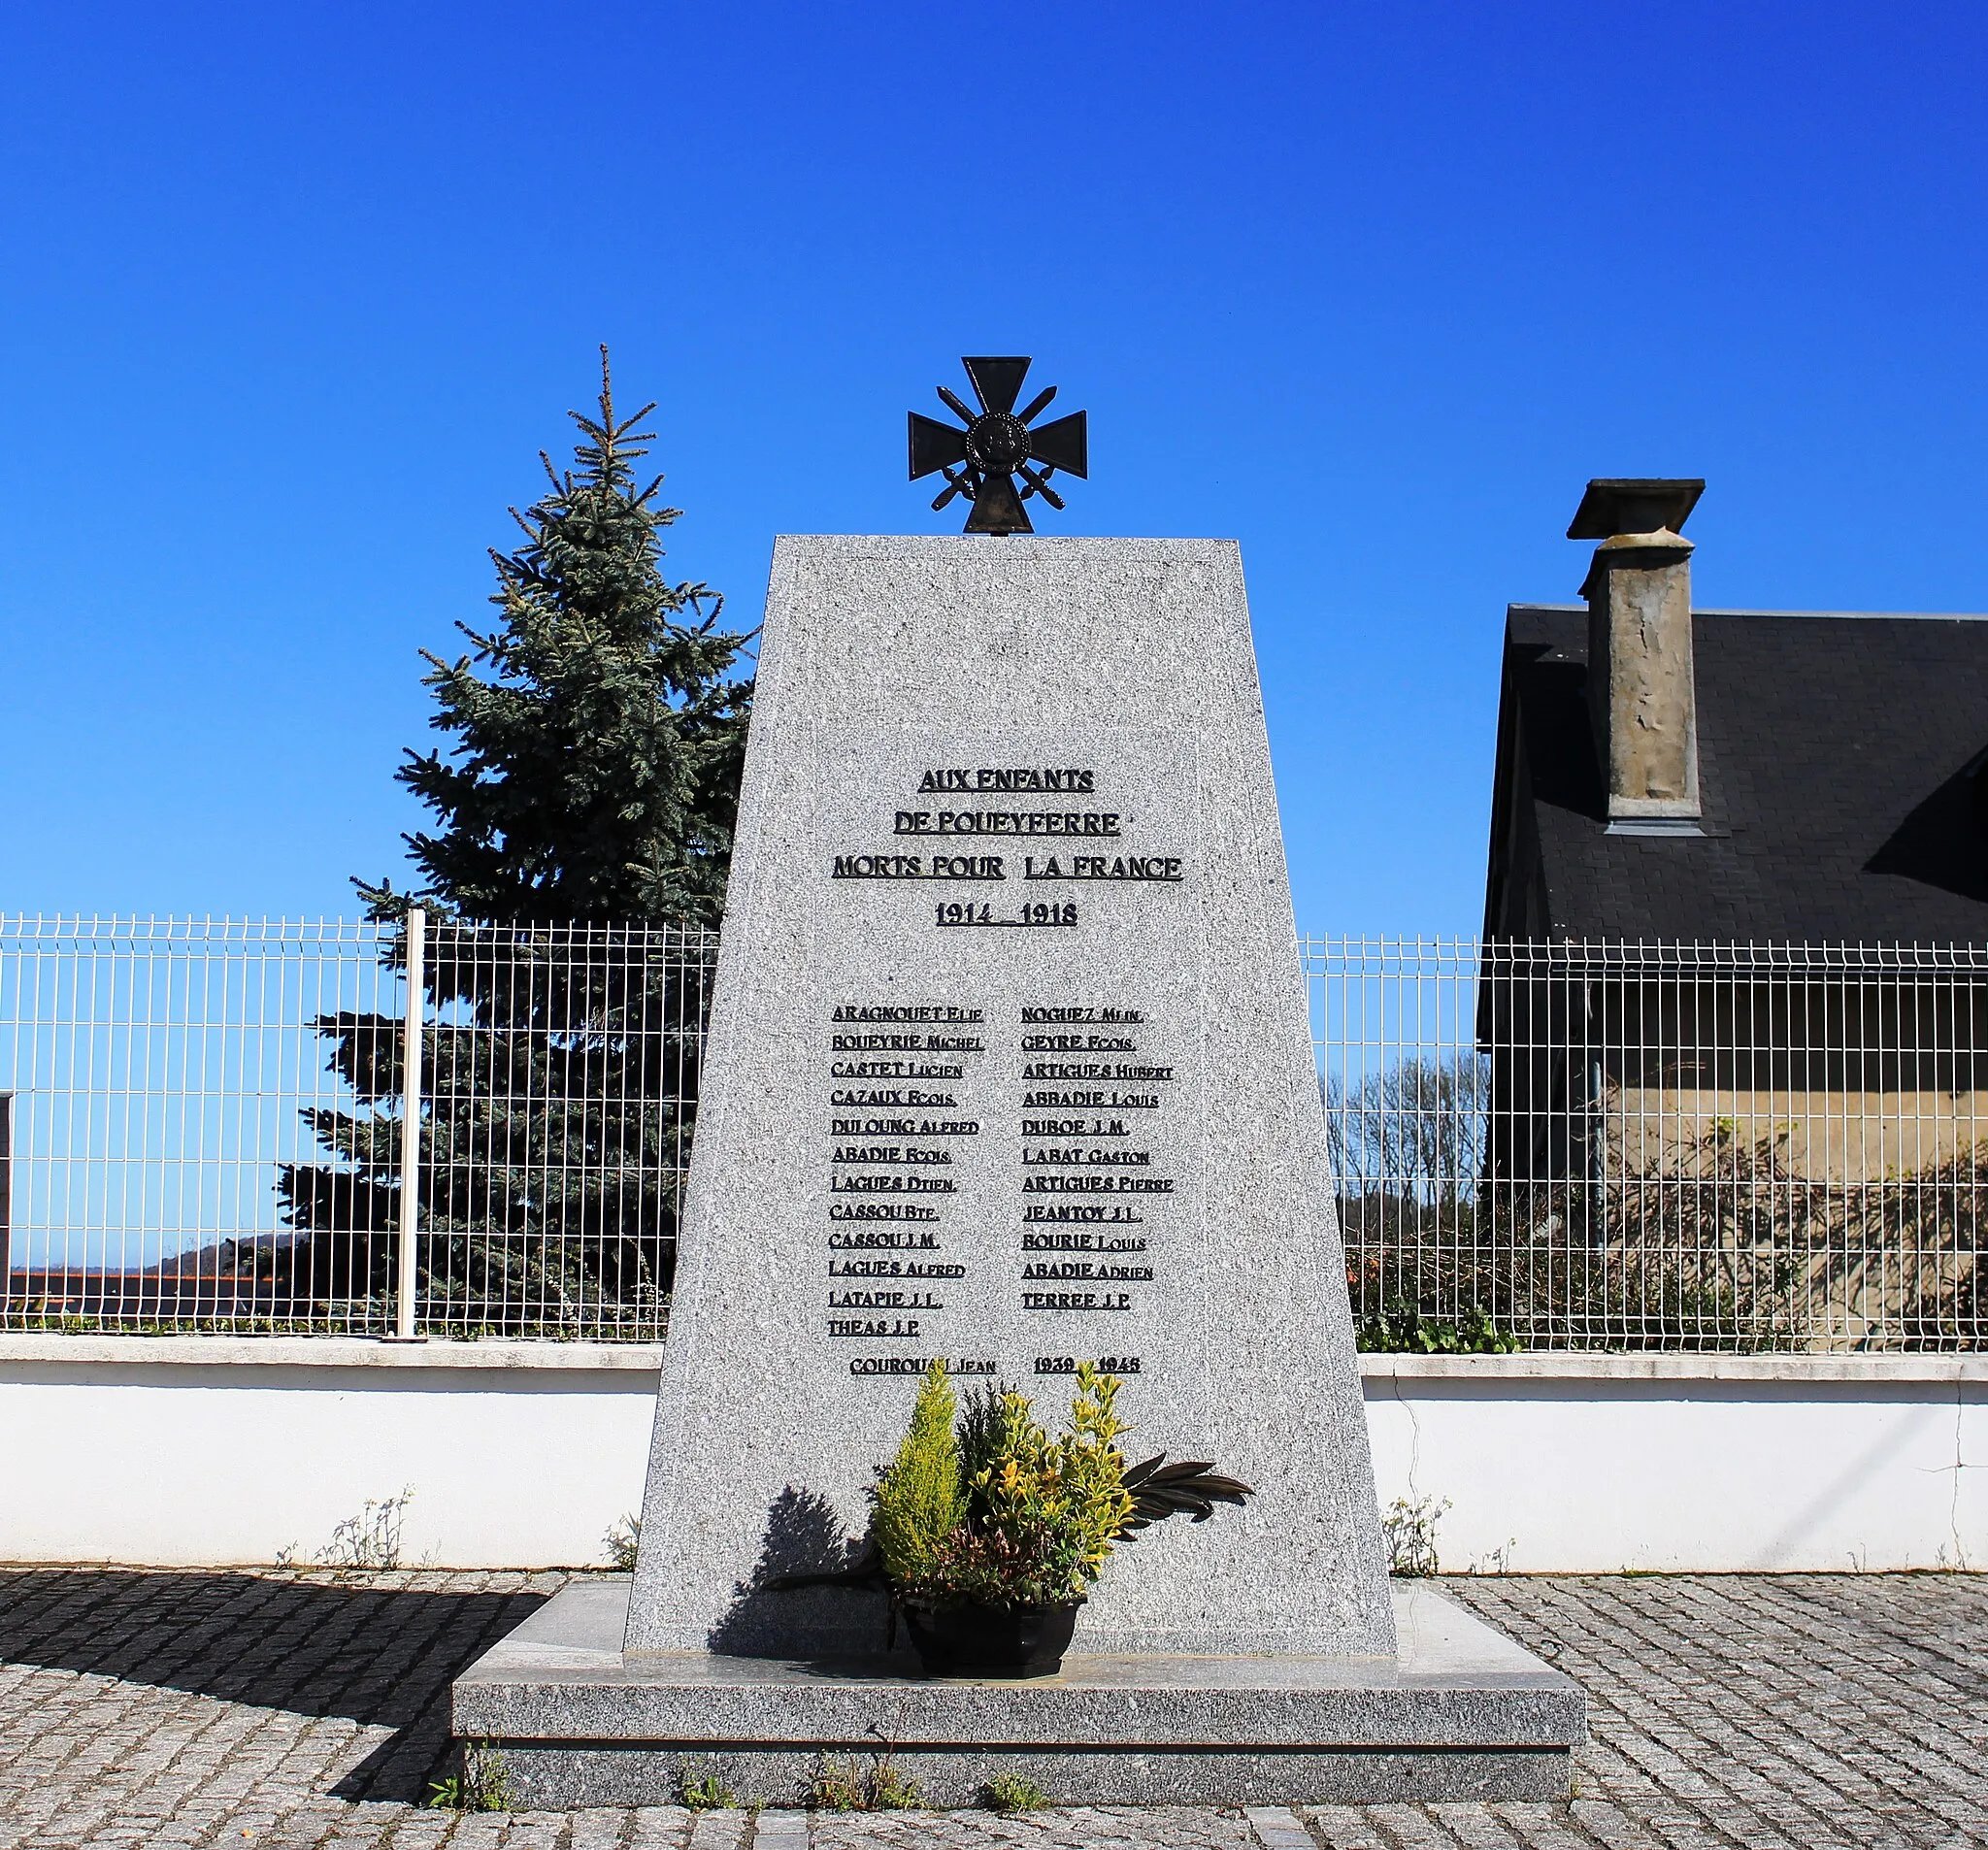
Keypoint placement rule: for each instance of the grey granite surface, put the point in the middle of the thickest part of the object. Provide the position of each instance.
(1191, 1122)
(1461, 1713)
(560, 1777)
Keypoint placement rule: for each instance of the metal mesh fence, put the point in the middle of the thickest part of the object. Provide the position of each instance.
(203, 1125)
(155, 1072)
(562, 1071)
(1697, 1146)
(1646, 1145)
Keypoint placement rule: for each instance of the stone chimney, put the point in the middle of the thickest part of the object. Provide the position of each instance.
(1640, 693)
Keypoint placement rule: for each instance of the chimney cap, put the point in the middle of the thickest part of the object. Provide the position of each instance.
(1640, 504)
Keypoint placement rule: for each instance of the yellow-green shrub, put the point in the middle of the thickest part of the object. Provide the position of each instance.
(919, 1496)
(1020, 1518)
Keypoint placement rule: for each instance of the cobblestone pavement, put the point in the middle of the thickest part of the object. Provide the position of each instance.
(258, 1709)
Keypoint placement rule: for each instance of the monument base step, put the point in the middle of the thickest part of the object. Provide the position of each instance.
(1462, 1713)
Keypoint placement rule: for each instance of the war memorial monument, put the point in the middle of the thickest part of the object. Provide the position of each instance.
(1009, 1067)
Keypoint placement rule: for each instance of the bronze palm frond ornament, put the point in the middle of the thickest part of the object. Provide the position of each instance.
(1191, 1488)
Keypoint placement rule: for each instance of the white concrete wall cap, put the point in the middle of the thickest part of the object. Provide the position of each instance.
(1576, 1364)
(364, 1352)
(324, 1353)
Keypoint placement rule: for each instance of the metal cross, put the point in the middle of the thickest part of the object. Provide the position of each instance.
(983, 461)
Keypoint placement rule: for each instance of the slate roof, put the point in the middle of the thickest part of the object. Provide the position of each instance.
(1838, 763)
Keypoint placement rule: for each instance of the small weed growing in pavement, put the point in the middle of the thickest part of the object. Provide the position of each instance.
(1013, 1791)
(372, 1538)
(621, 1542)
(369, 1541)
(837, 1787)
(704, 1792)
(891, 1790)
(1409, 1530)
(482, 1784)
(843, 1786)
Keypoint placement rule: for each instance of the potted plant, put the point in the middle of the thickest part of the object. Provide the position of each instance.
(988, 1532)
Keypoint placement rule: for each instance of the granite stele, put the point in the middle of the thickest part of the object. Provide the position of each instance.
(1008, 1064)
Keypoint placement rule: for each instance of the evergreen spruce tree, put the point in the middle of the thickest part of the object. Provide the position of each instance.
(595, 773)
(584, 819)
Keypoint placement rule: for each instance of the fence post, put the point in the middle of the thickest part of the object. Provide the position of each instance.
(411, 1129)
(6, 1183)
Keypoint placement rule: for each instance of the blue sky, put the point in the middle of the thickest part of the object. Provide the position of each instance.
(291, 298)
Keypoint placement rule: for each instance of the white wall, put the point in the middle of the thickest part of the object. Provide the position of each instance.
(198, 1450)
(1713, 1463)
(184, 1451)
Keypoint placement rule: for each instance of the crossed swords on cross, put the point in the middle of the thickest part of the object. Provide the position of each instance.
(982, 461)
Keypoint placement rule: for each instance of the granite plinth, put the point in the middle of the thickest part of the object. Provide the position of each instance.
(1461, 1712)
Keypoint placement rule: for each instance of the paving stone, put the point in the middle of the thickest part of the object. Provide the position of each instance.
(658, 1828)
(720, 1830)
(479, 1831)
(1277, 1828)
(287, 1711)
(600, 1829)
(1341, 1828)
(780, 1831)
(535, 1831)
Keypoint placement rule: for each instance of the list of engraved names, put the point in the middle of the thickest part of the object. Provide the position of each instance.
(1002, 1184)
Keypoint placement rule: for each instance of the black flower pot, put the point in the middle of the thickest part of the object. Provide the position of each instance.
(975, 1641)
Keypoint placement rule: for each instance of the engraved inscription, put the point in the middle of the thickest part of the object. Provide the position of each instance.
(999, 1164)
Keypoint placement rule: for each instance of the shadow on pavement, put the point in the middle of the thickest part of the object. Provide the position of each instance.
(381, 1655)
